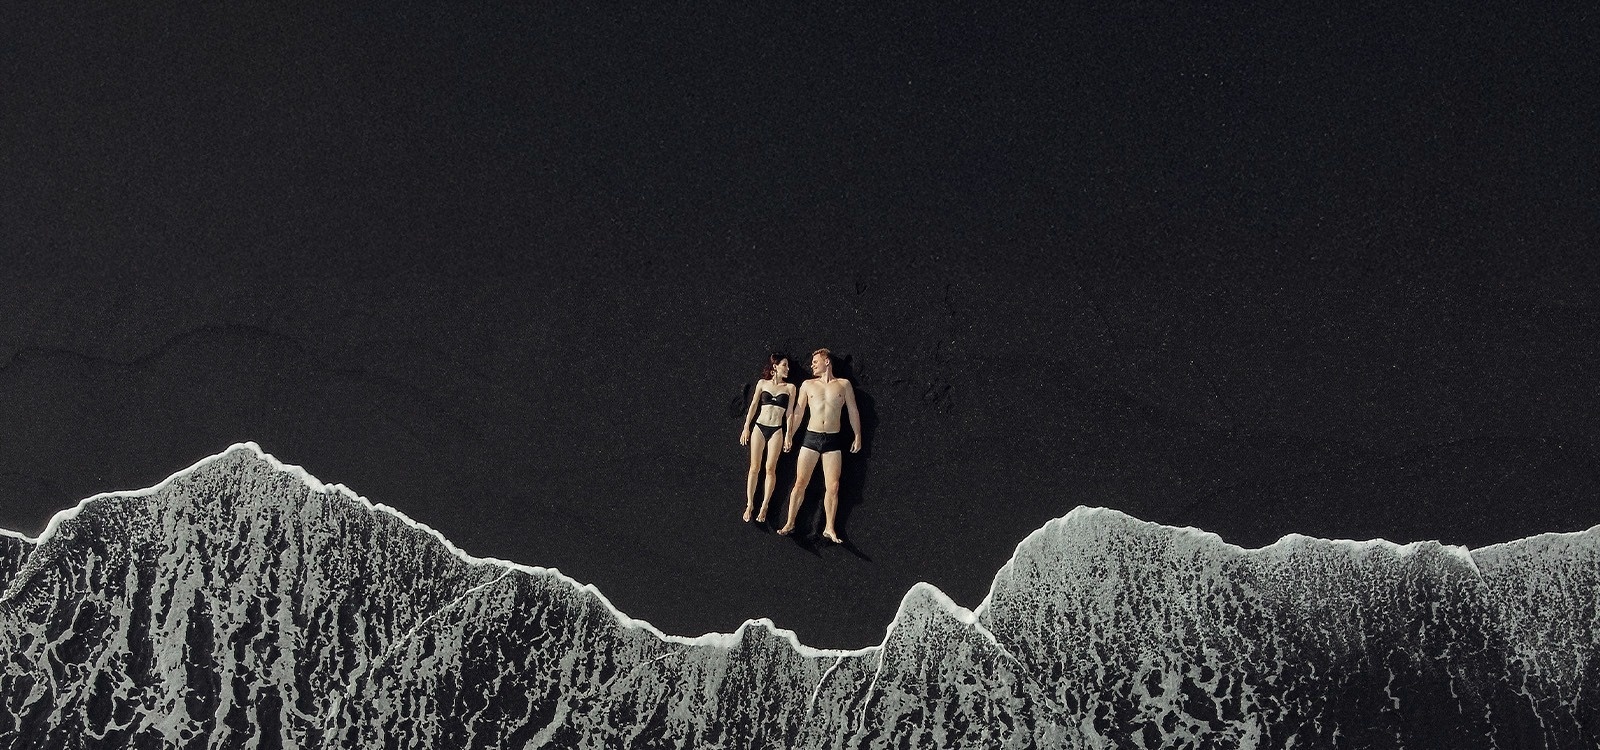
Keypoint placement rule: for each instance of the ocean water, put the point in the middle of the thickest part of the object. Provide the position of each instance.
(243, 603)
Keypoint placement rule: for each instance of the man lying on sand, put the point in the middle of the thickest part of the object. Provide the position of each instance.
(825, 394)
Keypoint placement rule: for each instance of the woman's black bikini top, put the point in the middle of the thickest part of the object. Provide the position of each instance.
(780, 400)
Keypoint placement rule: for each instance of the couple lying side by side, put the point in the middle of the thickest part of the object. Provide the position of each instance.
(827, 397)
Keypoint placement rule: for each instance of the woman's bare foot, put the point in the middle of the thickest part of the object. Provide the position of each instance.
(787, 530)
(762, 516)
(747, 510)
(832, 537)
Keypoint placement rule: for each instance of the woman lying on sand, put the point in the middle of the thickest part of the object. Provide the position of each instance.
(769, 406)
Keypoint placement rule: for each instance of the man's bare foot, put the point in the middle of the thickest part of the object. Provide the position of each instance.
(762, 516)
(787, 530)
(832, 537)
(747, 510)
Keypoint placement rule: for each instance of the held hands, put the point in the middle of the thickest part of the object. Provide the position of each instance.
(788, 443)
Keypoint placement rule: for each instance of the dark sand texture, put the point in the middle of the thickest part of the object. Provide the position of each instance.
(514, 273)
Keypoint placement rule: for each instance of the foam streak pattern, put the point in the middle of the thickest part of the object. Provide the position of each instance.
(244, 604)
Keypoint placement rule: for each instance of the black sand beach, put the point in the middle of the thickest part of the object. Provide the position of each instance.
(514, 274)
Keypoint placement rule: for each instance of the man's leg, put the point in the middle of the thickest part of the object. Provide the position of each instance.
(832, 466)
(803, 467)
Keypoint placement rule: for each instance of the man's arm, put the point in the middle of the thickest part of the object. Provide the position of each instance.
(794, 419)
(855, 415)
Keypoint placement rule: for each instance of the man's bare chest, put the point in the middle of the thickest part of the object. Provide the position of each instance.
(830, 395)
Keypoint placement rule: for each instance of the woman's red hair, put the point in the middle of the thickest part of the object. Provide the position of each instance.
(772, 364)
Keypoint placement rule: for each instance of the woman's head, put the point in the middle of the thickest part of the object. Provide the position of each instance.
(775, 362)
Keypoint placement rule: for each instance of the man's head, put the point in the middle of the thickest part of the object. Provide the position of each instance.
(822, 361)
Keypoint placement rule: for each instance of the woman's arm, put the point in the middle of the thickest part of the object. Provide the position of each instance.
(750, 415)
(794, 420)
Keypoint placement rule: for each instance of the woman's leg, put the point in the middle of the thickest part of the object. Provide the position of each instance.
(774, 447)
(758, 444)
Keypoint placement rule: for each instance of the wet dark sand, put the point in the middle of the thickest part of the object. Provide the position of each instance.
(515, 276)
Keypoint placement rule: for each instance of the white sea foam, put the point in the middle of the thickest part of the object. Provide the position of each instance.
(1100, 630)
(721, 640)
(1288, 544)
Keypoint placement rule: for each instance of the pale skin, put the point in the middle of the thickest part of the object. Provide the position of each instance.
(828, 398)
(764, 452)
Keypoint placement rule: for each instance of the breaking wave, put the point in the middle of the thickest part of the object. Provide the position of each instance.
(243, 603)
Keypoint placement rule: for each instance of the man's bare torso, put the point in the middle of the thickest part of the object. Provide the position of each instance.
(825, 401)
